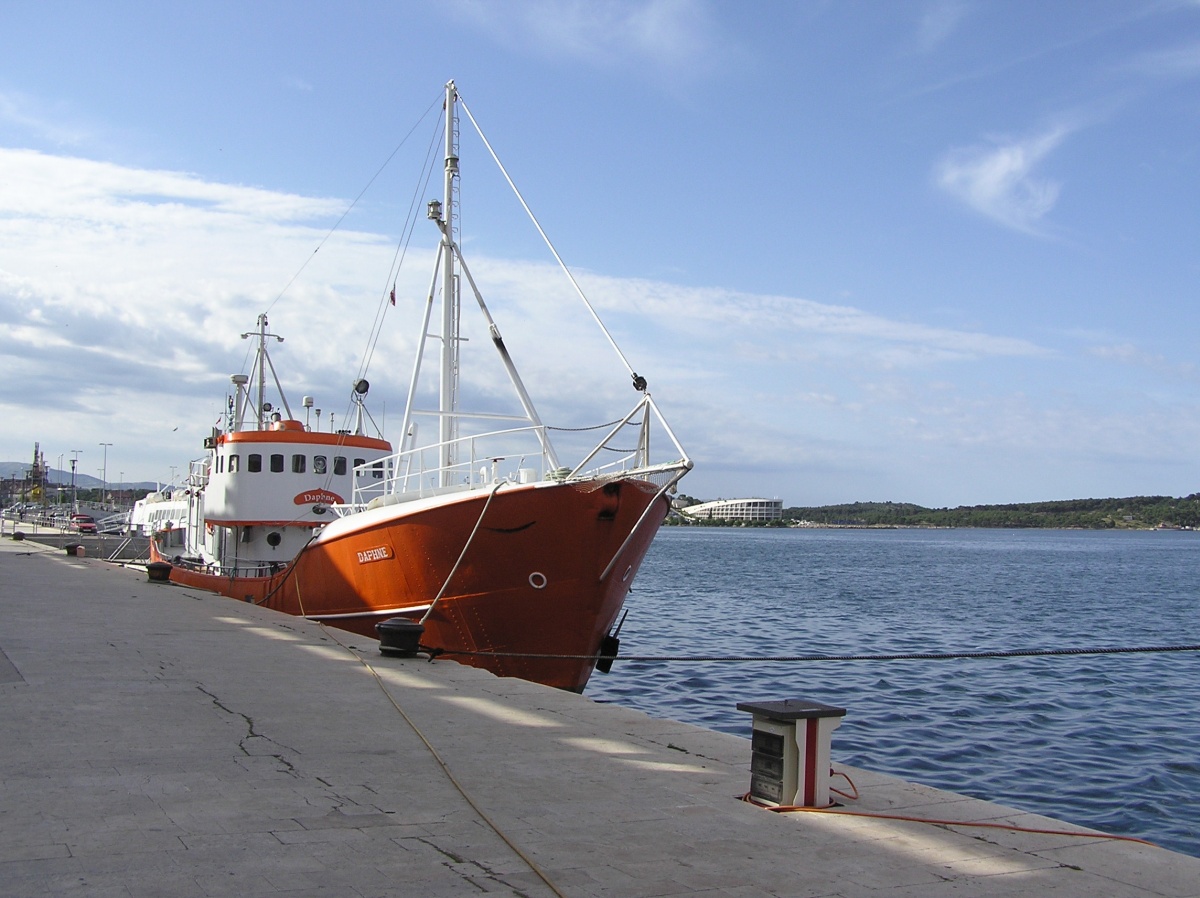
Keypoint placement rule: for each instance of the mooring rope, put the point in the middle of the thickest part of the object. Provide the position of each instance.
(463, 553)
(899, 656)
(441, 762)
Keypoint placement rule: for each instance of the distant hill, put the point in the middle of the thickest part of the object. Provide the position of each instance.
(1134, 513)
(18, 469)
(1091, 514)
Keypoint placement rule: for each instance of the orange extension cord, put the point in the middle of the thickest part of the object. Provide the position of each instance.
(834, 811)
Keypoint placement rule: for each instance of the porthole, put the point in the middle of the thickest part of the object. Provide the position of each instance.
(537, 580)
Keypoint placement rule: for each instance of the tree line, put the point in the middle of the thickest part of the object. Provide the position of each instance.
(1134, 512)
(1092, 514)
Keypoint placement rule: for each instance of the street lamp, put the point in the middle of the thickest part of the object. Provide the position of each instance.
(104, 473)
(74, 494)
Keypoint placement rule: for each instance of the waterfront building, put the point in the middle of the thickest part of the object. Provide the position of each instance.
(756, 510)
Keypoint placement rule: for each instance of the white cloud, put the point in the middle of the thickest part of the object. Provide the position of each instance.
(1128, 354)
(23, 111)
(124, 293)
(999, 180)
(57, 186)
(768, 321)
(672, 35)
(939, 20)
(1176, 62)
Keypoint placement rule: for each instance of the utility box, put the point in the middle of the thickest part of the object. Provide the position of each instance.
(789, 762)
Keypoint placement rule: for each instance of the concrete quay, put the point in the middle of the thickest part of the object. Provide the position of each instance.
(160, 741)
(110, 546)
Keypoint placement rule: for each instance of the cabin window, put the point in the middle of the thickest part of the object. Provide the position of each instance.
(220, 464)
(233, 464)
(377, 471)
(276, 463)
(339, 465)
(319, 463)
(299, 462)
(253, 462)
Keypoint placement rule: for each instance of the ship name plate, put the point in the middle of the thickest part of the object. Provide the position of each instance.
(377, 553)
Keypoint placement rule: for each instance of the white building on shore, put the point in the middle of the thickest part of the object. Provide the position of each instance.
(756, 510)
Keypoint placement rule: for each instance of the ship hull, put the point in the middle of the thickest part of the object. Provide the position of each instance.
(537, 569)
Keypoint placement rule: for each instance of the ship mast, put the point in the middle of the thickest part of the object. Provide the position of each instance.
(448, 394)
(262, 361)
(449, 275)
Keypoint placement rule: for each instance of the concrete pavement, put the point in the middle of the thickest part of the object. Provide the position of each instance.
(160, 741)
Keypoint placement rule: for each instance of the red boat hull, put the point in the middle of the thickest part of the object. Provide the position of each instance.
(545, 573)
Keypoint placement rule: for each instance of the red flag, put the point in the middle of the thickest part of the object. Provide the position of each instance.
(393, 296)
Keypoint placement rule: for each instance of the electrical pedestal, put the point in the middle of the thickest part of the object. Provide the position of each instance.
(789, 763)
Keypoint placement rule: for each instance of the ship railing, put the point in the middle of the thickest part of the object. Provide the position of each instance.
(519, 455)
(515, 454)
(246, 571)
(198, 473)
(646, 417)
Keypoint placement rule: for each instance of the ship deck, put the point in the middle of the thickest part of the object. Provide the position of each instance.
(163, 741)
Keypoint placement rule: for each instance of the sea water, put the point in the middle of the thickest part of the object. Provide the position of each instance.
(1106, 741)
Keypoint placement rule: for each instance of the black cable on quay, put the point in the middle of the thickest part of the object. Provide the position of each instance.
(905, 656)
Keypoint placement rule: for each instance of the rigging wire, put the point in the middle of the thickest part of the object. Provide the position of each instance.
(388, 297)
(349, 208)
(406, 232)
(406, 235)
(639, 382)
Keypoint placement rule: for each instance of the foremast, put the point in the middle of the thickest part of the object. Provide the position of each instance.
(248, 408)
(253, 415)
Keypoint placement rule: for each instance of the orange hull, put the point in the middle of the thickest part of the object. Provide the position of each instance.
(246, 589)
(530, 582)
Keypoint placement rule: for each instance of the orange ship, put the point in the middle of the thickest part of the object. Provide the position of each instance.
(508, 559)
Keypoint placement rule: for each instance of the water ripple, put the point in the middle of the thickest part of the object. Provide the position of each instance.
(1104, 741)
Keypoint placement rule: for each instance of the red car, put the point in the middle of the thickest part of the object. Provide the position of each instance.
(83, 523)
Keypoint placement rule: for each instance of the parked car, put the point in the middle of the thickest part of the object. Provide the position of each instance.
(83, 523)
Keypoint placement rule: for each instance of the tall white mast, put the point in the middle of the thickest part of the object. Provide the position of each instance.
(448, 400)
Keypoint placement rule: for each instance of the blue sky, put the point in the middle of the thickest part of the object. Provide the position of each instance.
(938, 252)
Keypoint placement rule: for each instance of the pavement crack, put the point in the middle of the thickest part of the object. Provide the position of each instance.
(462, 867)
(245, 743)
